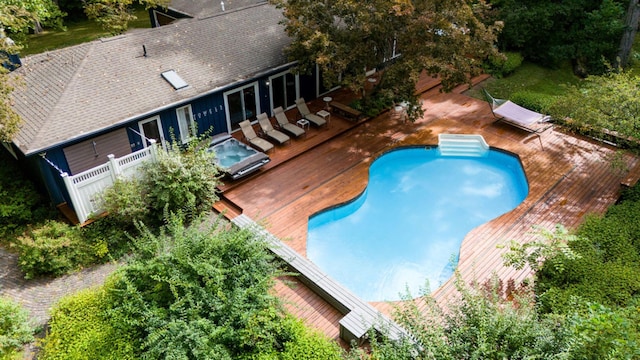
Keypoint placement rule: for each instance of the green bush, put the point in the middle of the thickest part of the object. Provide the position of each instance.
(15, 330)
(181, 181)
(111, 235)
(606, 271)
(307, 344)
(126, 201)
(80, 328)
(532, 100)
(501, 67)
(55, 248)
(20, 203)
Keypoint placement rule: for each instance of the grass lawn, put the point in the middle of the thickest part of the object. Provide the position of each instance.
(530, 78)
(77, 33)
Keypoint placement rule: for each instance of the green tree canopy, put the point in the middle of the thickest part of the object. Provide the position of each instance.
(14, 20)
(345, 38)
(40, 13)
(115, 15)
(550, 32)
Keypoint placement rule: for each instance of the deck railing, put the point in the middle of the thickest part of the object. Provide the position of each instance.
(86, 187)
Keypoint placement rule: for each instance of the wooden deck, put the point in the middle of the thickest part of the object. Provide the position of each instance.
(568, 176)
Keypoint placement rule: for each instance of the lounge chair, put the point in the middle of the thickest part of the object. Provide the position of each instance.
(284, 124)
(306, 114)
(270, 132)
(253, 138)
(516, 115)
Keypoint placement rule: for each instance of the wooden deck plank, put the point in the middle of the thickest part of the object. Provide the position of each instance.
(568, 178)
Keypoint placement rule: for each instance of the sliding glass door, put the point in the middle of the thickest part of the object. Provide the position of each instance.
(241, 104)
(284, 90)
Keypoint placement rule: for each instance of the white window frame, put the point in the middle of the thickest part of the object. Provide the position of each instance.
(256, 92)
(187, 127)
(142, 134)
(284, 73)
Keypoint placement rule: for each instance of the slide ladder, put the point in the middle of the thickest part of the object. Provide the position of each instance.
(462, 145)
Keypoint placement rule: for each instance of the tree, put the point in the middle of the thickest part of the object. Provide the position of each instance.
(14, 19)
(114, 15)
(345, 38)
(630, 28)
(42, 13)
(550, 32)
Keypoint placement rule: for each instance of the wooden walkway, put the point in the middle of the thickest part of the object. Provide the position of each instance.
(568, 176)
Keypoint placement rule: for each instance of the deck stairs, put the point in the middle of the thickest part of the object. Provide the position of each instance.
(462, 145)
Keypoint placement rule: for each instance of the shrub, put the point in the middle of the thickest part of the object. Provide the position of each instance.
(180, 181)
(532, 100)
(606, 270)
(20, 203)
(80, 329)
(500, 67)
(15, 329)
(110, 234)
(125, 201)
(55, 248)
(307, 344)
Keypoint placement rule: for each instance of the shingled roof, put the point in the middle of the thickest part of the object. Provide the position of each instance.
(200, 9)
(75, 91)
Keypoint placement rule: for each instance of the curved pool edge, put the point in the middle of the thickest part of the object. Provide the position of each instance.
(443, 279)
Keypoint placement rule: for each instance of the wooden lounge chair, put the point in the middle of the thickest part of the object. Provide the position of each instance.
(306, 114)
(270, 132)
(253, 138)
(284, 124)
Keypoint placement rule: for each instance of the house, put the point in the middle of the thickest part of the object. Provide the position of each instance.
(206, 72)
(195, 9)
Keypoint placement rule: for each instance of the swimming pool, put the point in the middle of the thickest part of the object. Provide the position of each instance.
(407, 226)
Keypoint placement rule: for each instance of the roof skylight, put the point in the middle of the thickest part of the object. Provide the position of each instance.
(174, 79)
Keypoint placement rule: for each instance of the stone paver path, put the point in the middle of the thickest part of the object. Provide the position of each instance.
(39, 295)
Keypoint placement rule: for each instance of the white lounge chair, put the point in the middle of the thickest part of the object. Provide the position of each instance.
(306, 114)
(284, 124)
(253, 138)
(269, 131)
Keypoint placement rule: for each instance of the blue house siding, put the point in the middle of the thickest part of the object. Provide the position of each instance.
(208, 113)
(48, 174)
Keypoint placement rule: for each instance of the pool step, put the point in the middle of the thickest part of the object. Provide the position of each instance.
(462, 145)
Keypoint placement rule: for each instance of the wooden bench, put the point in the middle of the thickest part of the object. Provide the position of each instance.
(346, 111)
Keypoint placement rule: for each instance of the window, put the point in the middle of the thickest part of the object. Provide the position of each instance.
(151, 129)
(284, 90)
(241, 104)
(186, 124)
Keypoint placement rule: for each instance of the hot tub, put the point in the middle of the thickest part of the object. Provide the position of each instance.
(235, 158)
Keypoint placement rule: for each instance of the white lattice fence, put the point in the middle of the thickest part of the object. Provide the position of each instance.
(85, 188)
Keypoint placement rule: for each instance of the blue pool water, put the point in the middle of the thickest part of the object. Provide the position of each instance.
(407, 226)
